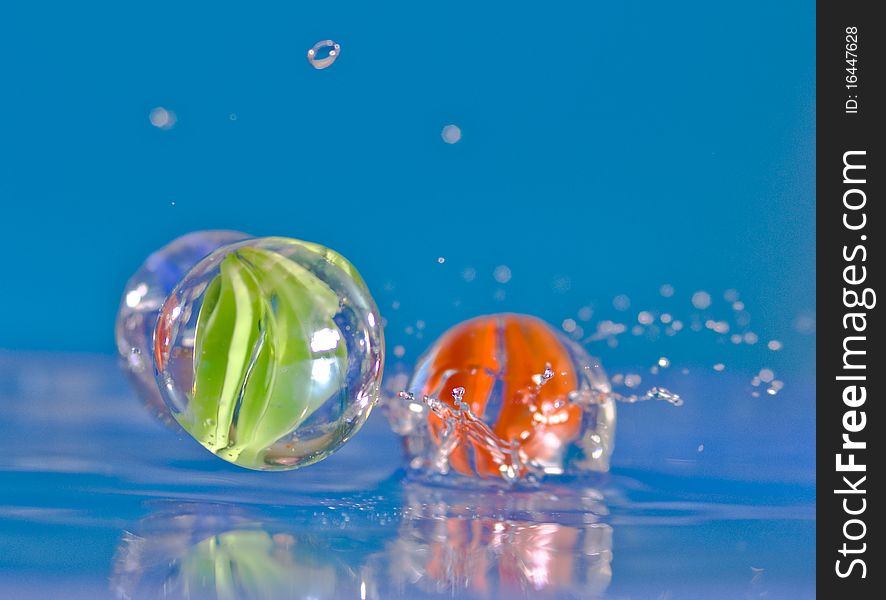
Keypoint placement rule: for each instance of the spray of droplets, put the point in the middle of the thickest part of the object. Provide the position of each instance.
(461, 425)
(702, 313)
(724, 319)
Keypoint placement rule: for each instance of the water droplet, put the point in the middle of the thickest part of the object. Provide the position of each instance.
(700, 448)
(645, 317)
(561, 284)
(399, 351)
(323, 54)
(441, 260)
(233, 116)
(621, 302)
(135, 360)
(805, 322)
(585, 313)
(667, 290)
(701, 300)
(774, 345)
(548, 373)
(632, 380)
(719, 367)
(469, 274)
(655, 393)
(663, 362)
(162, 118)
(502, 274)
(569, 325)
(766, 375)
(451, 134)
(717, 326)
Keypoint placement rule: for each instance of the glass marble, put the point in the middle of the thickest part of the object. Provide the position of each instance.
(143, 296)
(270, 353)
(506, 397)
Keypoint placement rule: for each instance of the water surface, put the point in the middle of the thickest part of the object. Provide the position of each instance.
(99, 500)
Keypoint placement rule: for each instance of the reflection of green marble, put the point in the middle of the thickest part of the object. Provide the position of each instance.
(251, 564)
(256, 375)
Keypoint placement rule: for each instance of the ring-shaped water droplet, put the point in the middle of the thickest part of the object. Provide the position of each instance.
(323, 54)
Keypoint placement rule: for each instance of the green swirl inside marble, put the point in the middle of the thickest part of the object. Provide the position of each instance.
(256, 375)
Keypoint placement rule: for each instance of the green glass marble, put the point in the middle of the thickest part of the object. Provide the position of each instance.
(270, 352)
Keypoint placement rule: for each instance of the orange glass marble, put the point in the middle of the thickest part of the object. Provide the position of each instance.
(506, 396)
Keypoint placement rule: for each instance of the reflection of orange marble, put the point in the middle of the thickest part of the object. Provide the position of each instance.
(506, 351)
(540, 557)
(461, 555)
(537, 557)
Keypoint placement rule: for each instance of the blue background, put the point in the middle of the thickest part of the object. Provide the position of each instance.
(619, 145)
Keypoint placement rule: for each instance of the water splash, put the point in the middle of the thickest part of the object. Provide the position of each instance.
(461, 427)
(539, 379)
(653, 393)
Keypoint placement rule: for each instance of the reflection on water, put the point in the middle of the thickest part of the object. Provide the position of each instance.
(449, 543)
(491, 544)
(729, 522)
(217, 551)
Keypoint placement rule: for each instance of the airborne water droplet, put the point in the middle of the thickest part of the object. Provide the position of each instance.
(162, 118)
(502, 274)
(701, 300)
(451, 134)
(323, 54)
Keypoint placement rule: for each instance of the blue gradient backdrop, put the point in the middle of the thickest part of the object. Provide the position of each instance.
(621, 145)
